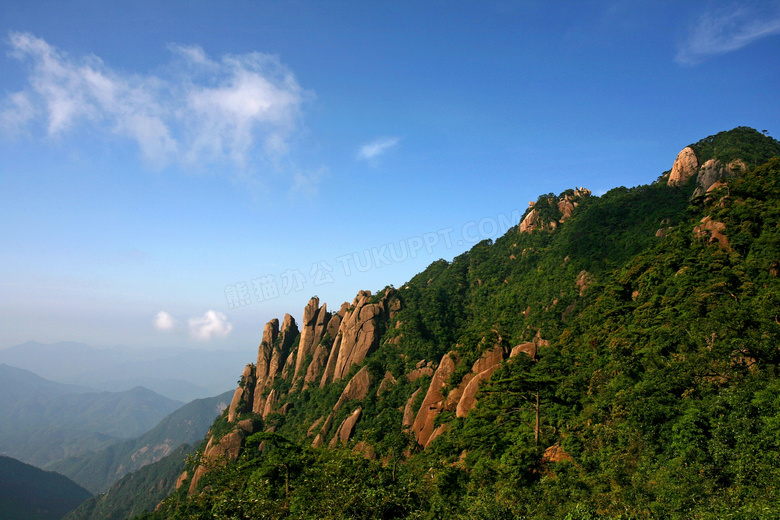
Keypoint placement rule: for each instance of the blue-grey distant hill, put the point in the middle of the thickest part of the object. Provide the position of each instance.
(42, 421)
(135, 493)
(187, 425)
(182, 374)
(29, 493)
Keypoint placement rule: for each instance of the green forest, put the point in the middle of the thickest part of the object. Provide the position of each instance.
(647, 385)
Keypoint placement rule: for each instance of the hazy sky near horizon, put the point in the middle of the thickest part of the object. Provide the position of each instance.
(179, 173)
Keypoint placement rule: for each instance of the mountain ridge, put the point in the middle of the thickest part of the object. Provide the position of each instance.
(42, 421)
(580, 370)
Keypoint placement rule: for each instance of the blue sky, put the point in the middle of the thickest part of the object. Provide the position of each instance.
(178, 173)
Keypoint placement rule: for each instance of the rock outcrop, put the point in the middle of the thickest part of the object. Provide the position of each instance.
(315, 320)
(272, 356)
(565, 205)
(356, 390)
(344, 431)
(408, 418)
(713, 171)
(685, 166)
(358, 335)
(219, 452)
(243, 396)
(434, 400)
(480, 371)
(388, 381)
(712, 231)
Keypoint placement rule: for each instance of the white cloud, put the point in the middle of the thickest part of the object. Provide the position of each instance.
(726, 31)
(232, 109)
(376, 148)
(15, 112)
(164, 321)
(211, 324)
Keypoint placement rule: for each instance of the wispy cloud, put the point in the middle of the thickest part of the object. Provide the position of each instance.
(164, 321)
(307, 183)
(211, 324)
(377, 147)
(728, 30)
(228, 110)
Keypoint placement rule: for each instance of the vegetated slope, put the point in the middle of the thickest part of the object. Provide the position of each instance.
(611, 357)
(42, 421)
(29, 493)
(187, 425)
(137, 492)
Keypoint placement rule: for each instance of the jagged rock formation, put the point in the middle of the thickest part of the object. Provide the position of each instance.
(358, 335)
(272, 356)
(563, 207)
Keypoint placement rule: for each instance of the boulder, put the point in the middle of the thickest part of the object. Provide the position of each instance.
(417, 373)
(565, 205)
(714, 171)
(313, 428)
(265, 351)
(489, 359)
(278, 342)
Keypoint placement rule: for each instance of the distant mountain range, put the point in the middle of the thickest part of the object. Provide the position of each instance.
(187, 425)
(135, 493)
(181, 374)
(42, 421)
(29, 493)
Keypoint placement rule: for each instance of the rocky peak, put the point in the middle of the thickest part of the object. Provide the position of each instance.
(550, 211)
(271, 357)
(312, 330)
(685, 166)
